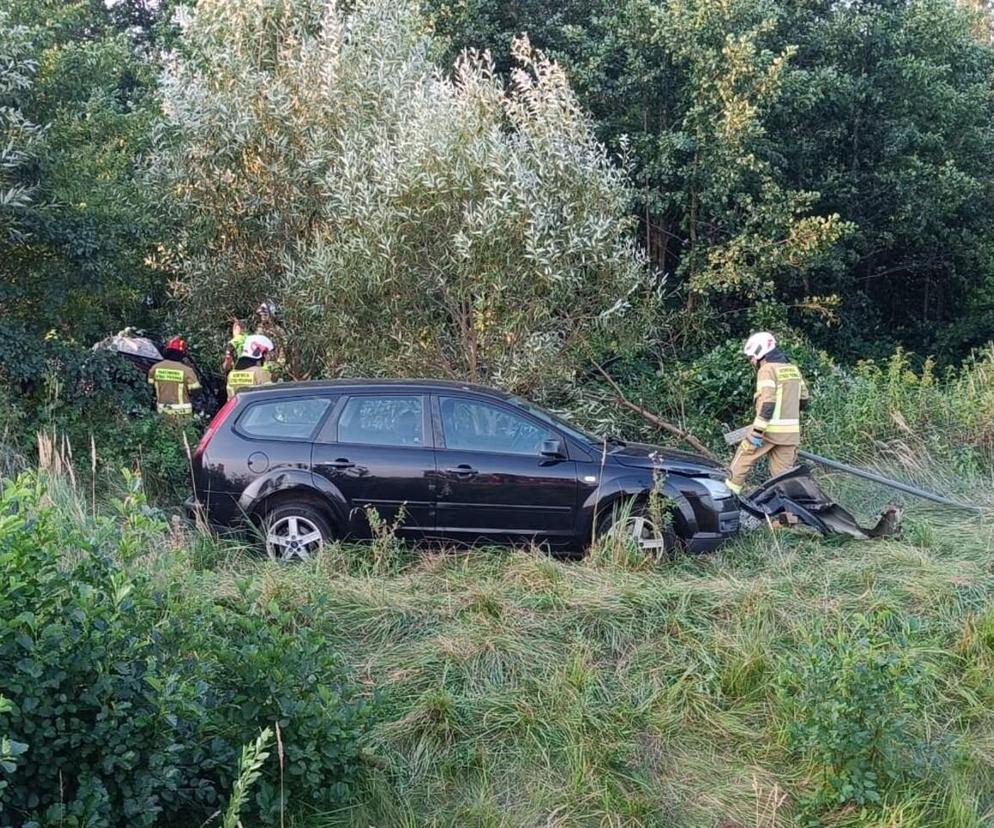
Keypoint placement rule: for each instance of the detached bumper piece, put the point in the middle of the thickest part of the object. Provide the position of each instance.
(795, 498)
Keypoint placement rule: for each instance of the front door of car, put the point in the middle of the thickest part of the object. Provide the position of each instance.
(377, 450)
(493, 482)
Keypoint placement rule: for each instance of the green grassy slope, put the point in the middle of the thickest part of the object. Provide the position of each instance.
(525, 691)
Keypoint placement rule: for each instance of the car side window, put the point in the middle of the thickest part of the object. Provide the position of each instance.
(470, 425)
(383, 420)
(294, 418)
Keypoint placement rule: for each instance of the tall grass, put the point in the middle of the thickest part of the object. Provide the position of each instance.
(519, 690)
(915, 416)
(526, 691)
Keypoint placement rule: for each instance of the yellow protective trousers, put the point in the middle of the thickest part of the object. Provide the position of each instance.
(781, 459)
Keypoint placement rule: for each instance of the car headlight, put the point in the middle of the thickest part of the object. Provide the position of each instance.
(717, 489)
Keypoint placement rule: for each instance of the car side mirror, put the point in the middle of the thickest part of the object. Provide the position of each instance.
(553, 448)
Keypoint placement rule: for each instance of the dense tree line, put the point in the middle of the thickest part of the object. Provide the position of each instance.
(426, 190)
(833, 157)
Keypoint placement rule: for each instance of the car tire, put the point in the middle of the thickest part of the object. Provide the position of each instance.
(640, 524)
(295, 532)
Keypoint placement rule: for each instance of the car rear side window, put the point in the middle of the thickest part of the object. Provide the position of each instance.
(383, 420)
(293, 419)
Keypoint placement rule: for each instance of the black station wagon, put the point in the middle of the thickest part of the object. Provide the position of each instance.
(453, 462)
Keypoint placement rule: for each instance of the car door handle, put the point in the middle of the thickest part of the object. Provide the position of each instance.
(462, 471)
(341, 463)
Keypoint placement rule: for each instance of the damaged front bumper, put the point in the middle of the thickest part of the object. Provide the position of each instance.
(795, 497)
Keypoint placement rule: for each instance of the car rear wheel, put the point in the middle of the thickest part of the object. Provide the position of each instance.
(295, 532)
(638, 525)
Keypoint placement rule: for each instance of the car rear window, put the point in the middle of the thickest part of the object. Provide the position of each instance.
(386, 420)
(294, 419)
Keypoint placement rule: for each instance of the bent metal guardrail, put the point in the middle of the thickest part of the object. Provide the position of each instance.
(734, 437)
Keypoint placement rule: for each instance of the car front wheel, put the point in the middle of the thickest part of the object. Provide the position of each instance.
(636, 524)
(295, 532)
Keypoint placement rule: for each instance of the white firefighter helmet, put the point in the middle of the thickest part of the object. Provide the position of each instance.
(759, 345)
(256, 346)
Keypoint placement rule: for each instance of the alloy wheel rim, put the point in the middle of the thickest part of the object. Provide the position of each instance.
(293, 538)
(642, 531)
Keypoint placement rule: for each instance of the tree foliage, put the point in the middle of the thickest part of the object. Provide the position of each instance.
(835, 152)
(406, 220)
(78, 262)
(715, 210)
(889, 118)
(18, 135)
(414, 207)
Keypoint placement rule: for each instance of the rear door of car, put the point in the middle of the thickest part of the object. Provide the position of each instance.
(377, 449)
(493, 483)
(269, 432)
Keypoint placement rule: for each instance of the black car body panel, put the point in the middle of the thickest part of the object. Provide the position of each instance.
(643, 455)
(447, 461)
(797, 495)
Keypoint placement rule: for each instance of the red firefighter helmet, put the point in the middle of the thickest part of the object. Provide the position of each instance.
(176, 343)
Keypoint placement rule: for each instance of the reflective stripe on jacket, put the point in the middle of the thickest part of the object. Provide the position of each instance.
(174, 384)
(247, 377)
(174, 408)
(780, 388)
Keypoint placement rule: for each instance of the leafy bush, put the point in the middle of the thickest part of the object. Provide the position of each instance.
(406, 221)
(256, 671)
(853, 701)
(134, 705)
(9, 749)
(87, 396)
(58, 376)
(79, 662)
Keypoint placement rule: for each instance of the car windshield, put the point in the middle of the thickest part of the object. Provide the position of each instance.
(575, 432)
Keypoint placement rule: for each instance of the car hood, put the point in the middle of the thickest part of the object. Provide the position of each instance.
(646, 456)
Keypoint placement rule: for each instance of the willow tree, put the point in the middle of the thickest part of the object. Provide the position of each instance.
(407, 220)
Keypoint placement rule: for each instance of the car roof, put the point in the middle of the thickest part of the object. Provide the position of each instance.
(422, 385)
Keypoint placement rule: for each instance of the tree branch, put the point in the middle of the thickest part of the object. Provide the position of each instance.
(656, 420)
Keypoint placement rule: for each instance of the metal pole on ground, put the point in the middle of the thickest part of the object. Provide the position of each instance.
(885, 481)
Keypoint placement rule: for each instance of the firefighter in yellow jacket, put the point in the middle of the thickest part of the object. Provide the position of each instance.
(174, 380)
(780, 395)
(250, 370)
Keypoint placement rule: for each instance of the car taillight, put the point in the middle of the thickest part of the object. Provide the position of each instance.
(219, 418)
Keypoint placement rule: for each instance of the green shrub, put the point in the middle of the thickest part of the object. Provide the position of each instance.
(853, 702)
(79, 661)
(157, 448)
(134, 704)
(264, 670)
(9, 749)
(91, 397)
